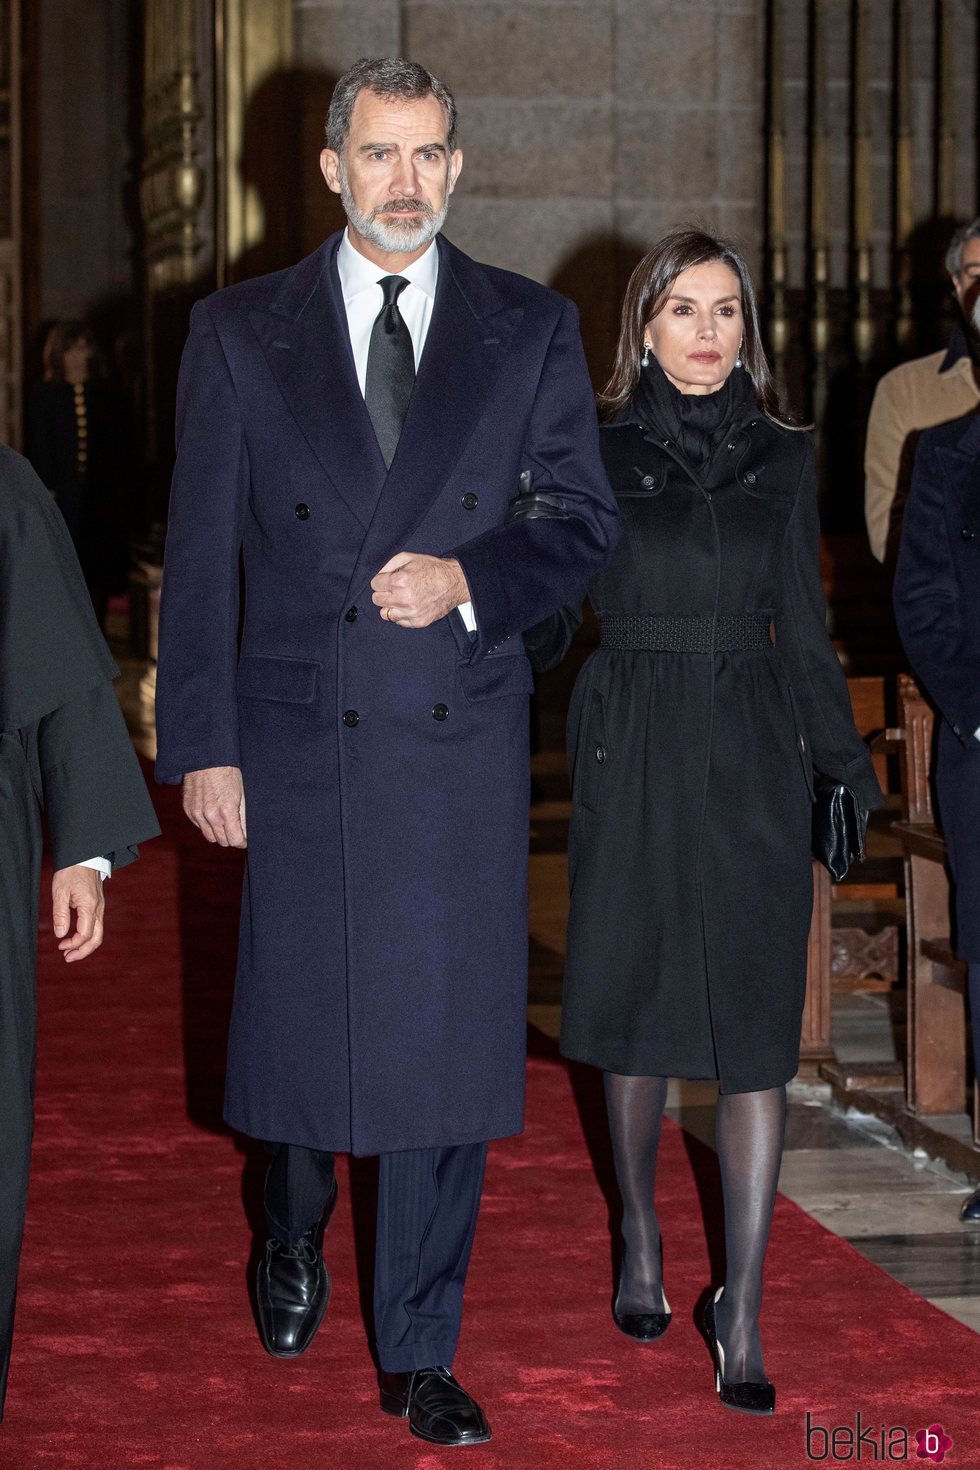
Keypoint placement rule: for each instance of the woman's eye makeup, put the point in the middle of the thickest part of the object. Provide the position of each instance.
(684, 308)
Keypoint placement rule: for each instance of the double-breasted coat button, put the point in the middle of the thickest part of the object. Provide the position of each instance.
(302, 512)
(440, 711)
(351, 718)
(350, 616)
(470, 501)
(648, 482)
(731, 444)
(600, 753)
(750, 478)
(967, 534)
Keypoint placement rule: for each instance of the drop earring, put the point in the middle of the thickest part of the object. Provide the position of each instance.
(645, 359)
(738, 360)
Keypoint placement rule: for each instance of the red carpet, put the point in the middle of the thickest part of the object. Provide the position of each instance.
(136, 1345)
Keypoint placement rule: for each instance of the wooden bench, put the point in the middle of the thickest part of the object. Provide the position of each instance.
(935, 1074)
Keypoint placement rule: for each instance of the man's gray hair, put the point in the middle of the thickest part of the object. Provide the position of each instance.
(954, 255)
(386, 76)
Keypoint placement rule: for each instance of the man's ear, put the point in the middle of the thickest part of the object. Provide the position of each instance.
(455, 168)
(330, 168)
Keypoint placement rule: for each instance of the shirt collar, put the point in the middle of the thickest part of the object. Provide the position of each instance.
(358, 274)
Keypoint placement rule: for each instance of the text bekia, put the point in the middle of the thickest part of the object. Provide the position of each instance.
(872, 1443)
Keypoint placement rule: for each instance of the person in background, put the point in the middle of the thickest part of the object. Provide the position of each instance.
(64, 750)
(694, 734)
(78, 442)
(937, 608)
(915, 396)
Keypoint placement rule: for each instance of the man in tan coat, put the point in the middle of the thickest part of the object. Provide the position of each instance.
(917, 395)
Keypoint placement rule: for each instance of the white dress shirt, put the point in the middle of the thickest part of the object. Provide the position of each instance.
(363, 299)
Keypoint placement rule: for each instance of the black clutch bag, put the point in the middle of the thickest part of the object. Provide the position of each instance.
(838, 826)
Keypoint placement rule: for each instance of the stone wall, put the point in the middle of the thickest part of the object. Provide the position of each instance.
(588, 126)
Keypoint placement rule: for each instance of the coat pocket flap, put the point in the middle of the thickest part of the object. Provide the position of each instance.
(289, 680)
(496, 675)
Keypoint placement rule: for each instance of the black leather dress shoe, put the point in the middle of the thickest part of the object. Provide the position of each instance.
(292, 1290)
(970, 1213)
(437, 1409)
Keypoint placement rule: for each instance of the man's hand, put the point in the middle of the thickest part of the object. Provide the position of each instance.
(415, 590)
(215, 802)
(80, 889)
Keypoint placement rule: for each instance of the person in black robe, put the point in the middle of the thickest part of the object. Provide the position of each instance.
(63, 749)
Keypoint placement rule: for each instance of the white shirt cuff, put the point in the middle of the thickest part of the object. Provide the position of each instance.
(466, 612)
(976, 733)
(100, 864)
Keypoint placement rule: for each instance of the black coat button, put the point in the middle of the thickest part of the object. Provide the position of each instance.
(648, 482)
(440, 712)
(600, 753)
(350, 616)
(351, 718)
(750, 478)
(302, 512)
(967, 534)
(470, 501)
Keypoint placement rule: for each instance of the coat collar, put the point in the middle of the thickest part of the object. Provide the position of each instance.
(958, 349)
(304, 336)
(305, 339)
(467, 343)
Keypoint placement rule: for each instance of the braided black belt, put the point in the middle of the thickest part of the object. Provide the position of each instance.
(687, 634)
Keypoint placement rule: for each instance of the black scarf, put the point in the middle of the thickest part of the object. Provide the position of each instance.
(698, 423)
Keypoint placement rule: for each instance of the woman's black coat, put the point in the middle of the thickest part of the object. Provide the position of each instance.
(689, 852)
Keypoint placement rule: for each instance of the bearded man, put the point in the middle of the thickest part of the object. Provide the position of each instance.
(358, 425)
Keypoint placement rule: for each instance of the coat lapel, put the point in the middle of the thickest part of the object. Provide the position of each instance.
(963, 469)
(305, 339)
(466, 346)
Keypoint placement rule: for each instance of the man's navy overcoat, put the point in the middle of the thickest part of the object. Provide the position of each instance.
(382, 967)
(937, 608)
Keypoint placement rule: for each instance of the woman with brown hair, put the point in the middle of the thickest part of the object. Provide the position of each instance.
(694, 732)
(78, 443)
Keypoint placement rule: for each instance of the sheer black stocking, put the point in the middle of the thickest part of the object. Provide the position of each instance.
(749, 1130)
(635, 1106)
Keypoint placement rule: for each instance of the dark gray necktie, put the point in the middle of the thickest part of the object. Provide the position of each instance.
(390, 374)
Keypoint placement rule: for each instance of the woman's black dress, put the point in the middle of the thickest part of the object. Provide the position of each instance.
(693, 739)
